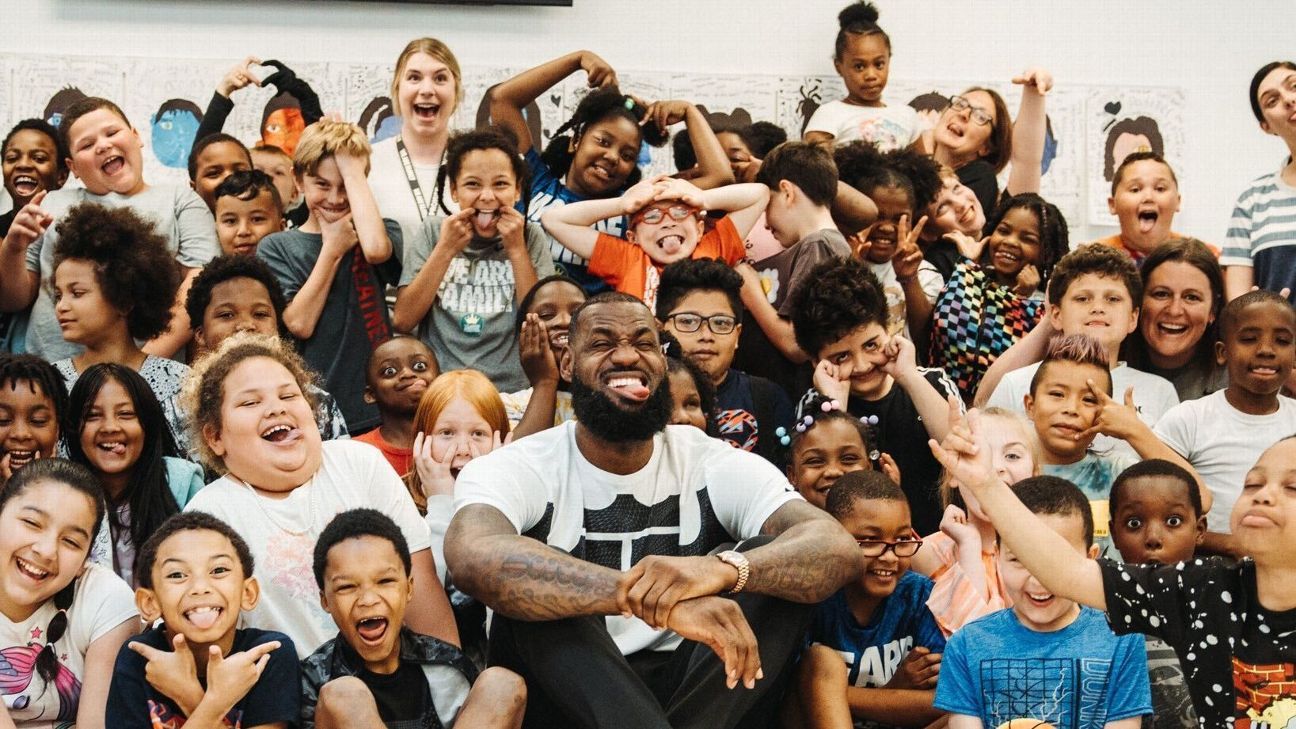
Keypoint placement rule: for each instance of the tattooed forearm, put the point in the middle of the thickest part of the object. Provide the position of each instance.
(811, 558)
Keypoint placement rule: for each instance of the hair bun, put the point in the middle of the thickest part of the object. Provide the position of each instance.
(857, 14)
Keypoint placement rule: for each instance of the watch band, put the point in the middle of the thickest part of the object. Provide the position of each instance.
(739, 562)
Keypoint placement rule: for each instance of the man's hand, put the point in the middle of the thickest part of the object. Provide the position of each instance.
(657, 585)
(919, 670)
(720, 625)
(173, 674)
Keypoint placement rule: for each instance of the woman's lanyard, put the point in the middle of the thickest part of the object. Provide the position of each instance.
(411, 176)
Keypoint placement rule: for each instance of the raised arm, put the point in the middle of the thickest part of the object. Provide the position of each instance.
(508, 99)
(930, 403)
(222, 102)
(1024, 352)
(852, 209)
(714, 169)
(571, 224)
(777, 329)
(1028, 132)
(369, 227)
(414, 300)
(19, 285)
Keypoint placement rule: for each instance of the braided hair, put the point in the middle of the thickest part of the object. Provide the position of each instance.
(481, 139)
(1054, 239)
(597, 106)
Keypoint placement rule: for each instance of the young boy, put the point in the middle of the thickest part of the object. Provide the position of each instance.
(840, 321)
(195, 574)
(278, 165)
(212, 159)
(1229, 622)
(1070, 402)
(335, 267)
(1144, 199)
(377, 672)
(666, 224)
(1157, 518)
(1046, 660)
(398, 374)
(879, 624)
(802, 179)
(1093, 290)
(1224, 433)
(239, 294)
(247, 210)
(700, 304)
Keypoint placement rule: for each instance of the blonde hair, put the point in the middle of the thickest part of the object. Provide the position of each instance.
(477, 391)
(949, 494)
(326, 138)
(435, 49)
(204, 387)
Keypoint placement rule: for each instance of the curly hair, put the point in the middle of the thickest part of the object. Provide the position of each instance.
(1054, 240)
(597, 106)
(844, 296)
(225, 268)
(474, 140)
(1098, 259)
(862, 166)
(762, 136)
(214, 138)
(137, 273)
(35, 373)
(204, 387)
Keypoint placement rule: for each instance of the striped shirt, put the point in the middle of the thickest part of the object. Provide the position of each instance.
(1262, 233)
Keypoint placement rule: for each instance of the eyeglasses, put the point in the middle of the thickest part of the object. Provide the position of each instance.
(717, 323)
(906, 547)
(979, 115)
(655, 215)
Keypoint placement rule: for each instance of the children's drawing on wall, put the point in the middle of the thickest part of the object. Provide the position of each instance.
(282, 122)
(1127, 136)
(171, 131)
(379, 120)
(1122, 121)
(59, 102)
(799, 97)
(929, 106)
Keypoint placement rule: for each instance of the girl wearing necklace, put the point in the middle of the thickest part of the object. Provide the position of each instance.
(253, 419)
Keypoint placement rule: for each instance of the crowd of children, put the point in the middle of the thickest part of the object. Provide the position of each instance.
(250, 400)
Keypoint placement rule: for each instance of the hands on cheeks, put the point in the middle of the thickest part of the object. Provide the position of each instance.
(434, 474)
(901, 357)
(511, 227)
(833, 381)
(339, 234)
(539, 361)
(457, 231)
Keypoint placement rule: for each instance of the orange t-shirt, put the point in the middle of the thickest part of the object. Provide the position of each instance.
(1116, 242)
(629, 270)
(401, 459)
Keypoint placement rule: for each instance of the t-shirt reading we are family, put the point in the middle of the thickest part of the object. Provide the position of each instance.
(694, 494)
(1239, 659)
(1079, 677)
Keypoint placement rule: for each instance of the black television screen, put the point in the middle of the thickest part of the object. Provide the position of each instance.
(549, 3)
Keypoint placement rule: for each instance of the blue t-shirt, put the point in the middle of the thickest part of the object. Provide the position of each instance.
(276, 697)
(547, 191)
(1094, 475)
(1080, 677)
(873, 652)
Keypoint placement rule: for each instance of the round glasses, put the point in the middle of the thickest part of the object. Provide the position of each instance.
(906, 547)
(655, 215)
(717, 323)
(979, 115)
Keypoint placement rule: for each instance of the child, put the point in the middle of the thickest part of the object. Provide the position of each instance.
(463, 273)
(398, 374)
(1222, 434)
(106, 155)
(212, 159)
(841, 322)
(247, 210)
(63, 620)
(699, 303)
(282, 485)
(1156, 519)
(1144, 199)
(32, 160)
(198, 668)
(1228, 622)
(376, 674)
(693, 395)
(962, 559)
(1093, 290)
(954, 210)
(239, 294)
(277, 165)
(1047, 660)
(543, 317)
(878, 623)
(862, 58)
(114, 282)
(981, 312)
(120, 433)
(33, 406)
(831, 445)
(333, 269)
(666, 225)
(1070, 401)
(598, 159)
(803, 181)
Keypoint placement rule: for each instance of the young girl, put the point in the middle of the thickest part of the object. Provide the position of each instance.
(693, 393)
(462, 274)
(105, 154)
(33, 160)
(254, 421)
(121, 435)
(33, 405)
(983, 310)
(862, 57)
(542, 321)
(598, 158)
(61, 621)
(833, 443)
(113, 286)
(962, 558)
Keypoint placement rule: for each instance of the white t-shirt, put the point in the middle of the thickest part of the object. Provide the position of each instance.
(1222, 443)
(282, 532)
(1153, 397)
(887, 127)
(897, 322)
(101, 602)
(694, 494)
(391, 189)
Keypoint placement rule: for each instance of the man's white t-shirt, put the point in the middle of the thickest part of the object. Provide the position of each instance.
(282, 532)
(694, 494)
(1222, 443)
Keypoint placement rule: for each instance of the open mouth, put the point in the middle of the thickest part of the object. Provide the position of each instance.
(18, 459)
(558, 339)
(113, 165)
(670, 244)
(281, 434)
(1263, 370)
(882, 574)
(1171, 330)
(372, 630)
(115, 447)
(426, 112)
(1147, 220)
(1007, 258)
(956, 128)
(487, 218)
(630, 386)
(25, 185)
(1040, 600)
(30, 570)
(203, 617)
(968, 216)
(602, 170)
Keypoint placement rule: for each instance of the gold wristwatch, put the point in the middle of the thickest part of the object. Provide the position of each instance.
(740, 563)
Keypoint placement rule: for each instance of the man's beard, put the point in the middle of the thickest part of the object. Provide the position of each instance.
(613, 424)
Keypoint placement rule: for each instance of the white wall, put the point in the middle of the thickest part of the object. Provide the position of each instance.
(1209, 49)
